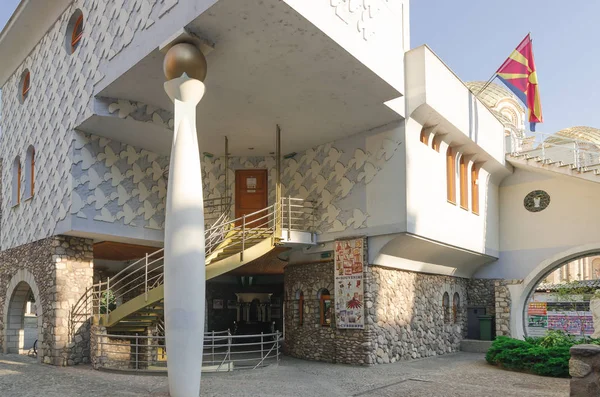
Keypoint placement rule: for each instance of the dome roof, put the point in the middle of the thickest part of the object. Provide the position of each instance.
(493, 93)
(581, 133)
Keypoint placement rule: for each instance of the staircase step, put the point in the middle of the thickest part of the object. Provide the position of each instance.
(126, 329)
(142, 318)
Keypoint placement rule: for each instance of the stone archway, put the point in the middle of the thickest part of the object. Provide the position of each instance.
(16, 337)
(520, 293)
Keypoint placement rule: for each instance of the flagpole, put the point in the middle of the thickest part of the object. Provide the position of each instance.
(495, 74)
(486, 84)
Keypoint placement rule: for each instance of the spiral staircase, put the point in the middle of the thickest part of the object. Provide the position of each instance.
(133, 299)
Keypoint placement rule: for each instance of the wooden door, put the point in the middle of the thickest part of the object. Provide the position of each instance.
(250, 196)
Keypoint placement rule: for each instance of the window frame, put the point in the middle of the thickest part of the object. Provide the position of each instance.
(76, 37)
(463, 182)
(451, 175)
(436, 143)
(19, 183)
(29, 173)
(475, 188)
(446, 307)
(32, 176)
(323, 318)
(455, 307)
(26, 85)
(301, 309)
(424, 137)
(16, 182)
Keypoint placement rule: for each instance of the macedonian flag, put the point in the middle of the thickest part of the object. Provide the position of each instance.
(518, 73)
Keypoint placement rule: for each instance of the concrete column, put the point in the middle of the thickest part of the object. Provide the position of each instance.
(185, 280)
(278, 209)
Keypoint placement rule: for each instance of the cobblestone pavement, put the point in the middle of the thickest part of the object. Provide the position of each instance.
(461, 374)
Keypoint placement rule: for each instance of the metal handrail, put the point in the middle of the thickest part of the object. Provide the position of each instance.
(220, 348)
(556, 149)
(237, 234)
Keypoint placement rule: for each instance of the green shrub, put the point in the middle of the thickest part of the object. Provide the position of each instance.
(546, 356)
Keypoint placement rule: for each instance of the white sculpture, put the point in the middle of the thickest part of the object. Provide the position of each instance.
(185, 277)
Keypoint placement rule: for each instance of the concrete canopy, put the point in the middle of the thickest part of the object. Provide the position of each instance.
(269, 66)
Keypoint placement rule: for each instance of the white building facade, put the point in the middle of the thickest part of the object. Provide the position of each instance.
(320, 126)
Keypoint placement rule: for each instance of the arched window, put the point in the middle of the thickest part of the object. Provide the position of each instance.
(446, 307)
(74, 32)
(464, 188)
(475, 188)
(300, 298)
(424, 137)
(16, 181)
(325, 307)
(30, 172)
(437, 142)
(25, 85)
(455, 307)
(451, 174)
(77, 33)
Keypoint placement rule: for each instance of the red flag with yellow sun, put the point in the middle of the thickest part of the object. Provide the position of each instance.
(519, 74)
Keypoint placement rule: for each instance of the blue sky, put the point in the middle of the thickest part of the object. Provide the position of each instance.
(6, 10)
(474, 37)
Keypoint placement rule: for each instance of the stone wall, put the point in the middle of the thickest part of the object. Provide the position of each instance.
(503, 304)
(481, 293)
(406, 318)
(61, 269)
(584, 368)
(311, 340)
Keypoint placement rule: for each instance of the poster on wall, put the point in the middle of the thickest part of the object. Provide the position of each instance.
(349, 287)
(537, 319)
(570, 317)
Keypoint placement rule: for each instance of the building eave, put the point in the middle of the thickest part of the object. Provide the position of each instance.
(24, 30)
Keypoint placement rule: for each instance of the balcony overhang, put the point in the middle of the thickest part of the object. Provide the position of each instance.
(269, 66)
(435, 96)
(415, 253)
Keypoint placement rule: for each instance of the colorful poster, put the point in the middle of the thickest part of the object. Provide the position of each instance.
(537, 319)
(570, 317)
(349, 288)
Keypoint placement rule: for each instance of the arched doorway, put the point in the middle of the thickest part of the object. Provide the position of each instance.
(22, 315)
(556, 295)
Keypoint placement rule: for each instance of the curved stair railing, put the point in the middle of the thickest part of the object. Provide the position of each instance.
(227, 243)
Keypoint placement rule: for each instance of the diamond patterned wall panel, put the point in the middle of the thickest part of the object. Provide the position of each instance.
(60, 98)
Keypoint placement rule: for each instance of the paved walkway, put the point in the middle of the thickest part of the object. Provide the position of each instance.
(460, 375)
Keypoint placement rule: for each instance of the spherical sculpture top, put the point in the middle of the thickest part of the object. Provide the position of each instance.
(185, 58)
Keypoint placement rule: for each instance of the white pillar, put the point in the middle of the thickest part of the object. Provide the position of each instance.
(185, 277)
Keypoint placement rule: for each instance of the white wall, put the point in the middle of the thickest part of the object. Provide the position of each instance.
(435, 95)
(375, 32)
(430, 214)
(527, 239)
(60, 98)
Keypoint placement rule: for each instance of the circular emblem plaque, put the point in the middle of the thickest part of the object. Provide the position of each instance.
(536, 201)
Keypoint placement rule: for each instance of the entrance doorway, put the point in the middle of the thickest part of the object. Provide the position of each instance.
(251, 195)
(22, 325)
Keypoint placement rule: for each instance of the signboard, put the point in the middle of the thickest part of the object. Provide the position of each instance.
(570, 317)
(349, 287)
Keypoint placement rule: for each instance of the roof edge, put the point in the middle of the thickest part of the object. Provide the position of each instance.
(26, 27)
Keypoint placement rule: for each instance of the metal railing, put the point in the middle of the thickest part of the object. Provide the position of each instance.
(223, 239)
(556, 149)
(222, 351)
(216, 210)
(297, 214)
